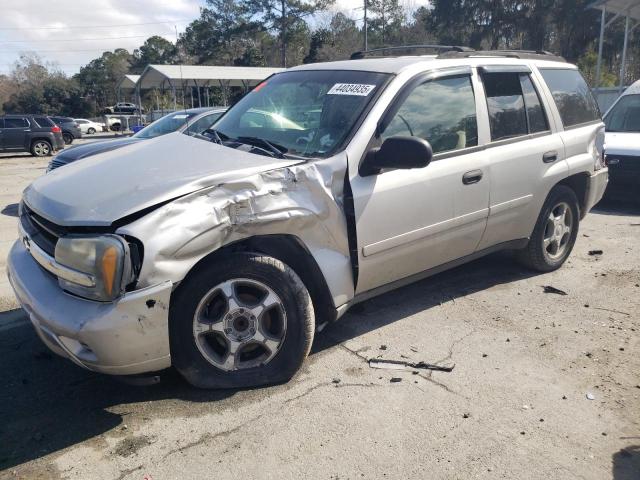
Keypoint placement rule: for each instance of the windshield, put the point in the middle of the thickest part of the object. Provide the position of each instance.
(167, 124)
(306, 113)
(625, 115)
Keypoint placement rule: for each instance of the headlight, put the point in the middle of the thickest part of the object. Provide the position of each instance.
(104, 258)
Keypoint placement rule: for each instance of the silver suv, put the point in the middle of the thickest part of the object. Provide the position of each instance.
(326, 185)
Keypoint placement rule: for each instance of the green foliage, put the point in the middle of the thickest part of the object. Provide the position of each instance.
(256, 33)
(285, 18)
(38, 88)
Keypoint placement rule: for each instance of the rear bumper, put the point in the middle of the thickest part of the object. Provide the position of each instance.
(596, 186)
(125, 337)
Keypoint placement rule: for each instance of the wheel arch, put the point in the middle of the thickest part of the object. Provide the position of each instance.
(579, 184)
(290, 250)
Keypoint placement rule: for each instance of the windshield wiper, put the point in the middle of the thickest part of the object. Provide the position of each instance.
(215, 136)
(277, 150)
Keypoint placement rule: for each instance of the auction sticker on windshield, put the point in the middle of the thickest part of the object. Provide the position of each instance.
(359, 89)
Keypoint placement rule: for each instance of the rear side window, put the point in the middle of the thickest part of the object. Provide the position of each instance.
(441, 111)
(15, 123)
(43, 122)
(572, 96)
(507, 115)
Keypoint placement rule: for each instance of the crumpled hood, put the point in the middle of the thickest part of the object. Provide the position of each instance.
(622, 143)
(71, 154)
(111, 185)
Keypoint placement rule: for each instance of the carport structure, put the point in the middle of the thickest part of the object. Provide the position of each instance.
(128, 82)
(202, 77)
(630, 10)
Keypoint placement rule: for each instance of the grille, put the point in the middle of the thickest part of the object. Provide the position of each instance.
(44, 233)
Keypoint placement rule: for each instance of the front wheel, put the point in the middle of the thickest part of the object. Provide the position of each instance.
(91, 131)
(68, 138)
(555, 232)
(244, 321)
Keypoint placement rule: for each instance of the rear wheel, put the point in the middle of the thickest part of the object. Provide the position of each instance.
(555, 232)
(68, 138)
(40, 148)
(91, 130)
(241, 322)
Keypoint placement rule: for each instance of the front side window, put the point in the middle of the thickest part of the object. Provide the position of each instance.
(306, 113)
(202, 124)
(167, 124)
(507, 115)
(15, 123)
(441, 111)
(625, 115)
(572, 96)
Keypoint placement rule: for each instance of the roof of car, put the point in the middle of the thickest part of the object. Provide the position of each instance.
(633, 89)
(398, 64)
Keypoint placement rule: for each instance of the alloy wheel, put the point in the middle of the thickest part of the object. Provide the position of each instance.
(239, 324)
(557, 232)
(41, 149)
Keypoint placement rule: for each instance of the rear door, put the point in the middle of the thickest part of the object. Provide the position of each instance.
(526, 154)
(409, 221)
(14, 133)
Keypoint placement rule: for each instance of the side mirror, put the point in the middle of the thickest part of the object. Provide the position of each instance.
(397, 153)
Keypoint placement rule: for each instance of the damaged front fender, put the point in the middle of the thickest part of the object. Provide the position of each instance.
(304, 201)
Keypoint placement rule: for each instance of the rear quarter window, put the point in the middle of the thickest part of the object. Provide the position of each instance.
(43, 122)
(571, 95)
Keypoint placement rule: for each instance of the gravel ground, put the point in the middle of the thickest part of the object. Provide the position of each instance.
(515, 406)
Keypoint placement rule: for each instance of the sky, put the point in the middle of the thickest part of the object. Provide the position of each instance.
(70, 33)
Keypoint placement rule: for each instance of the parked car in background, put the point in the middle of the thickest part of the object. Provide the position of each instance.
(70, 129)
(30, 133)
(223, 258)
(192, 121)
(622, 140)
(87, 126)
(124, 107)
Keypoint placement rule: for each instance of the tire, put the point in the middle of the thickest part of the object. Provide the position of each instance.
(68, 138)
(201, 351)
(555, 232)
(41, 148)
(91, 130)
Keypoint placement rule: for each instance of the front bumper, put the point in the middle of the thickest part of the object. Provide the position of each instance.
(125, 337)
(596, 186)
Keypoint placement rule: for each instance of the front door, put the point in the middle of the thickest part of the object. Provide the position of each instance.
(14, 132)
(408, 221)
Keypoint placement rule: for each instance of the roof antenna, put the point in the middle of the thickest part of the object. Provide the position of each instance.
(175, 27)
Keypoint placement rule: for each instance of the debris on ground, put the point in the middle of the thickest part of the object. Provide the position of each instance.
(595, 252)
(466, 415)
(383, 347)
(336, 380)
(550, 289)
(590, 396)
(395, 379)
(402, 365)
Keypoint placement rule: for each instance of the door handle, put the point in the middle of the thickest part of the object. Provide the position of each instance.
(550, 157)
(474, 176)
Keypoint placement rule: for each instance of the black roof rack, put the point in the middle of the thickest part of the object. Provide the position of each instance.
(445, 48)
(522, 54)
